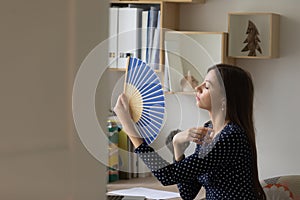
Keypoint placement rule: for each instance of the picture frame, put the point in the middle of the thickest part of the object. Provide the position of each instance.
(190, 54)
(253, 35)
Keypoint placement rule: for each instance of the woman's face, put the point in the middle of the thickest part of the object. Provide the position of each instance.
(206, 91)
(203, 93)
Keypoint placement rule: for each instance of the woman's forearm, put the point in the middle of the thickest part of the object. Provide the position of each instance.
(132, 133)
(136, 141)
(178, 151)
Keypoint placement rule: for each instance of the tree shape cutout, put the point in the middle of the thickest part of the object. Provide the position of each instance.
(252, 40)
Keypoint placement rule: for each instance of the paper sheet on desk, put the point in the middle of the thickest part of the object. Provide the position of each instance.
(146, 192)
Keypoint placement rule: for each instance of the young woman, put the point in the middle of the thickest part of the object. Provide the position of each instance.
(225, 158)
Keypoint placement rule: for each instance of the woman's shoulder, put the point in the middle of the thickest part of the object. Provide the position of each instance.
(233, 126)
(232, 129)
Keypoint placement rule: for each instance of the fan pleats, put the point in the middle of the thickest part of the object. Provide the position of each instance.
(146, 98)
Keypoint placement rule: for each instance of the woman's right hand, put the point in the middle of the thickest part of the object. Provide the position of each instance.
(122, 111)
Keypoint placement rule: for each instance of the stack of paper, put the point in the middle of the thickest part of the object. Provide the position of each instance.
(145, 192)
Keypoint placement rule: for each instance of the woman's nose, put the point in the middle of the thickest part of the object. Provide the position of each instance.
(198, 88)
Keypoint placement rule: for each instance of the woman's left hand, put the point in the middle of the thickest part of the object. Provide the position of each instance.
(182, 139)
(196, 135)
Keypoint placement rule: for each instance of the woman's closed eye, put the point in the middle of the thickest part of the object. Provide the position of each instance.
(206, 86)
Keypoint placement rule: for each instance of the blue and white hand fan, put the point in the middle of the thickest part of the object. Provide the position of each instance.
(146, 98)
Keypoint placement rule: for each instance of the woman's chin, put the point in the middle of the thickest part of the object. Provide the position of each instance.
(198, 104)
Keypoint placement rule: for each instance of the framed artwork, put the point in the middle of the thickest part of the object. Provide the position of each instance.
(188, 55)
(253, 35)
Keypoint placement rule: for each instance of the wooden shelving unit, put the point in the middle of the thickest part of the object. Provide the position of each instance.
(169, 19)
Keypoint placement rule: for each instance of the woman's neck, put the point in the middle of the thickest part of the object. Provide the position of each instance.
(218, 122)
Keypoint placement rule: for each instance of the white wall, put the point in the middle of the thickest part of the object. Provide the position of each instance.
(42, 45)
(89, 176)
(277, 91)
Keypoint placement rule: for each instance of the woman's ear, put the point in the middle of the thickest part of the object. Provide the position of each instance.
(223, 104)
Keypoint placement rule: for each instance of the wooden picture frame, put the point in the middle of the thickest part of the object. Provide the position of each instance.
(194, 52)
(253, 35)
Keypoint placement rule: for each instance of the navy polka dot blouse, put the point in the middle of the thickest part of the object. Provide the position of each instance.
(223, 167)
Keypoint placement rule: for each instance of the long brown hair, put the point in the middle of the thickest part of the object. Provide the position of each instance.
(239, 91)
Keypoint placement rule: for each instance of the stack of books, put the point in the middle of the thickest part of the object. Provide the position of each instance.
(123, 162)
(134, 31)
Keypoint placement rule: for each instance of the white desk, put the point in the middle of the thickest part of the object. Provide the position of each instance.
(147, 182)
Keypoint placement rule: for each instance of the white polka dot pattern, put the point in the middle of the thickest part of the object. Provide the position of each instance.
(223, 168)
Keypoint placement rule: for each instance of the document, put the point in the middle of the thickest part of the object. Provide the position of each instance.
(146, 192)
